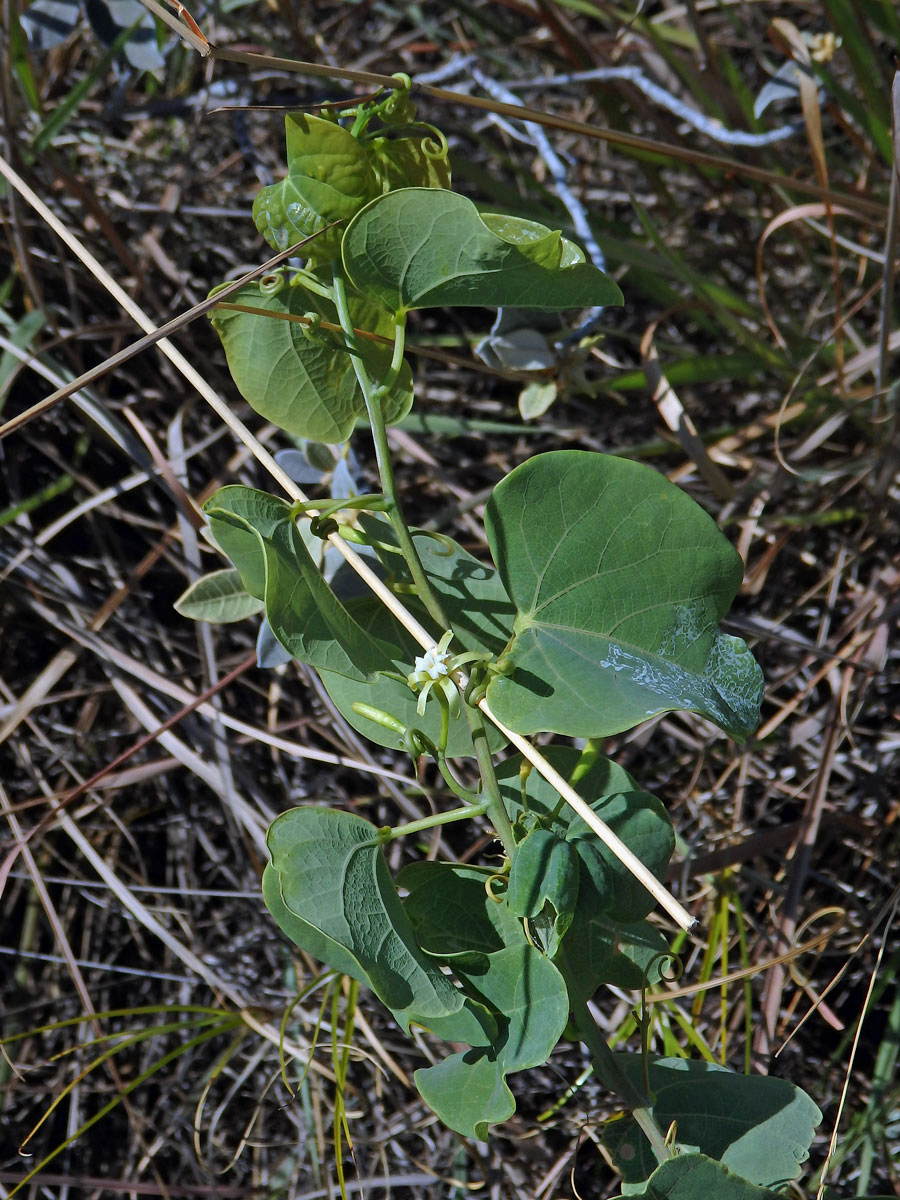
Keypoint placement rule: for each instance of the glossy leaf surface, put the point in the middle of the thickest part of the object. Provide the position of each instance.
(307, 617)
(619, 581)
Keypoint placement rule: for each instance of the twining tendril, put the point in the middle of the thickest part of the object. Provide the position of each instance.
(498, 877)
(670, 974)
(271, 284)
(323, 527)
(448, 546)
(436, 148)
(399, 108)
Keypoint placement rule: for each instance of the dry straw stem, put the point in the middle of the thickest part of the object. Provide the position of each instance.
(195, 38)
(425, 639)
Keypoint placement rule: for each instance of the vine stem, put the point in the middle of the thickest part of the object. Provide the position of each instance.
(495, 808)
(373, 396)
(425, 639)
(613, 1077)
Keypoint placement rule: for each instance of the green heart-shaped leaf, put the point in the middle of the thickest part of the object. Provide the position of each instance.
(757, 1126)
(424, 246)
(619, 581)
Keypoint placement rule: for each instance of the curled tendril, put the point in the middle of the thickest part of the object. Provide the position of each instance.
(310, 328)
(399, 108)
(448, 546)
(670, 974)
(437, 147)
(417, 743)
(271, 284)
(323, 527)
(499, 877)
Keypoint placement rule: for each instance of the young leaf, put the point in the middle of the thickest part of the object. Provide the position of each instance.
(219, 597)
(619, 581)
(329, 889)
(408, 162)
(757, 1126)
(329, 179)
(423, 246)
(238, 516)
(306, 386)
(543, 884)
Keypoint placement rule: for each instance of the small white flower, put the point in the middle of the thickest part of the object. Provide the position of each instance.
(433, 663)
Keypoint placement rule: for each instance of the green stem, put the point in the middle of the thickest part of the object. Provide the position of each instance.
(389, 832)
(495, 810)
(372, 397)
(613, 1077)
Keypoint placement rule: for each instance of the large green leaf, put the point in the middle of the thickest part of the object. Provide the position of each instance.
(329, 889)
(468, 1090)
(757, 1126)
(619, 581)
(305, 384)
(329, 178)
(695, 1177)
(417, 247)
